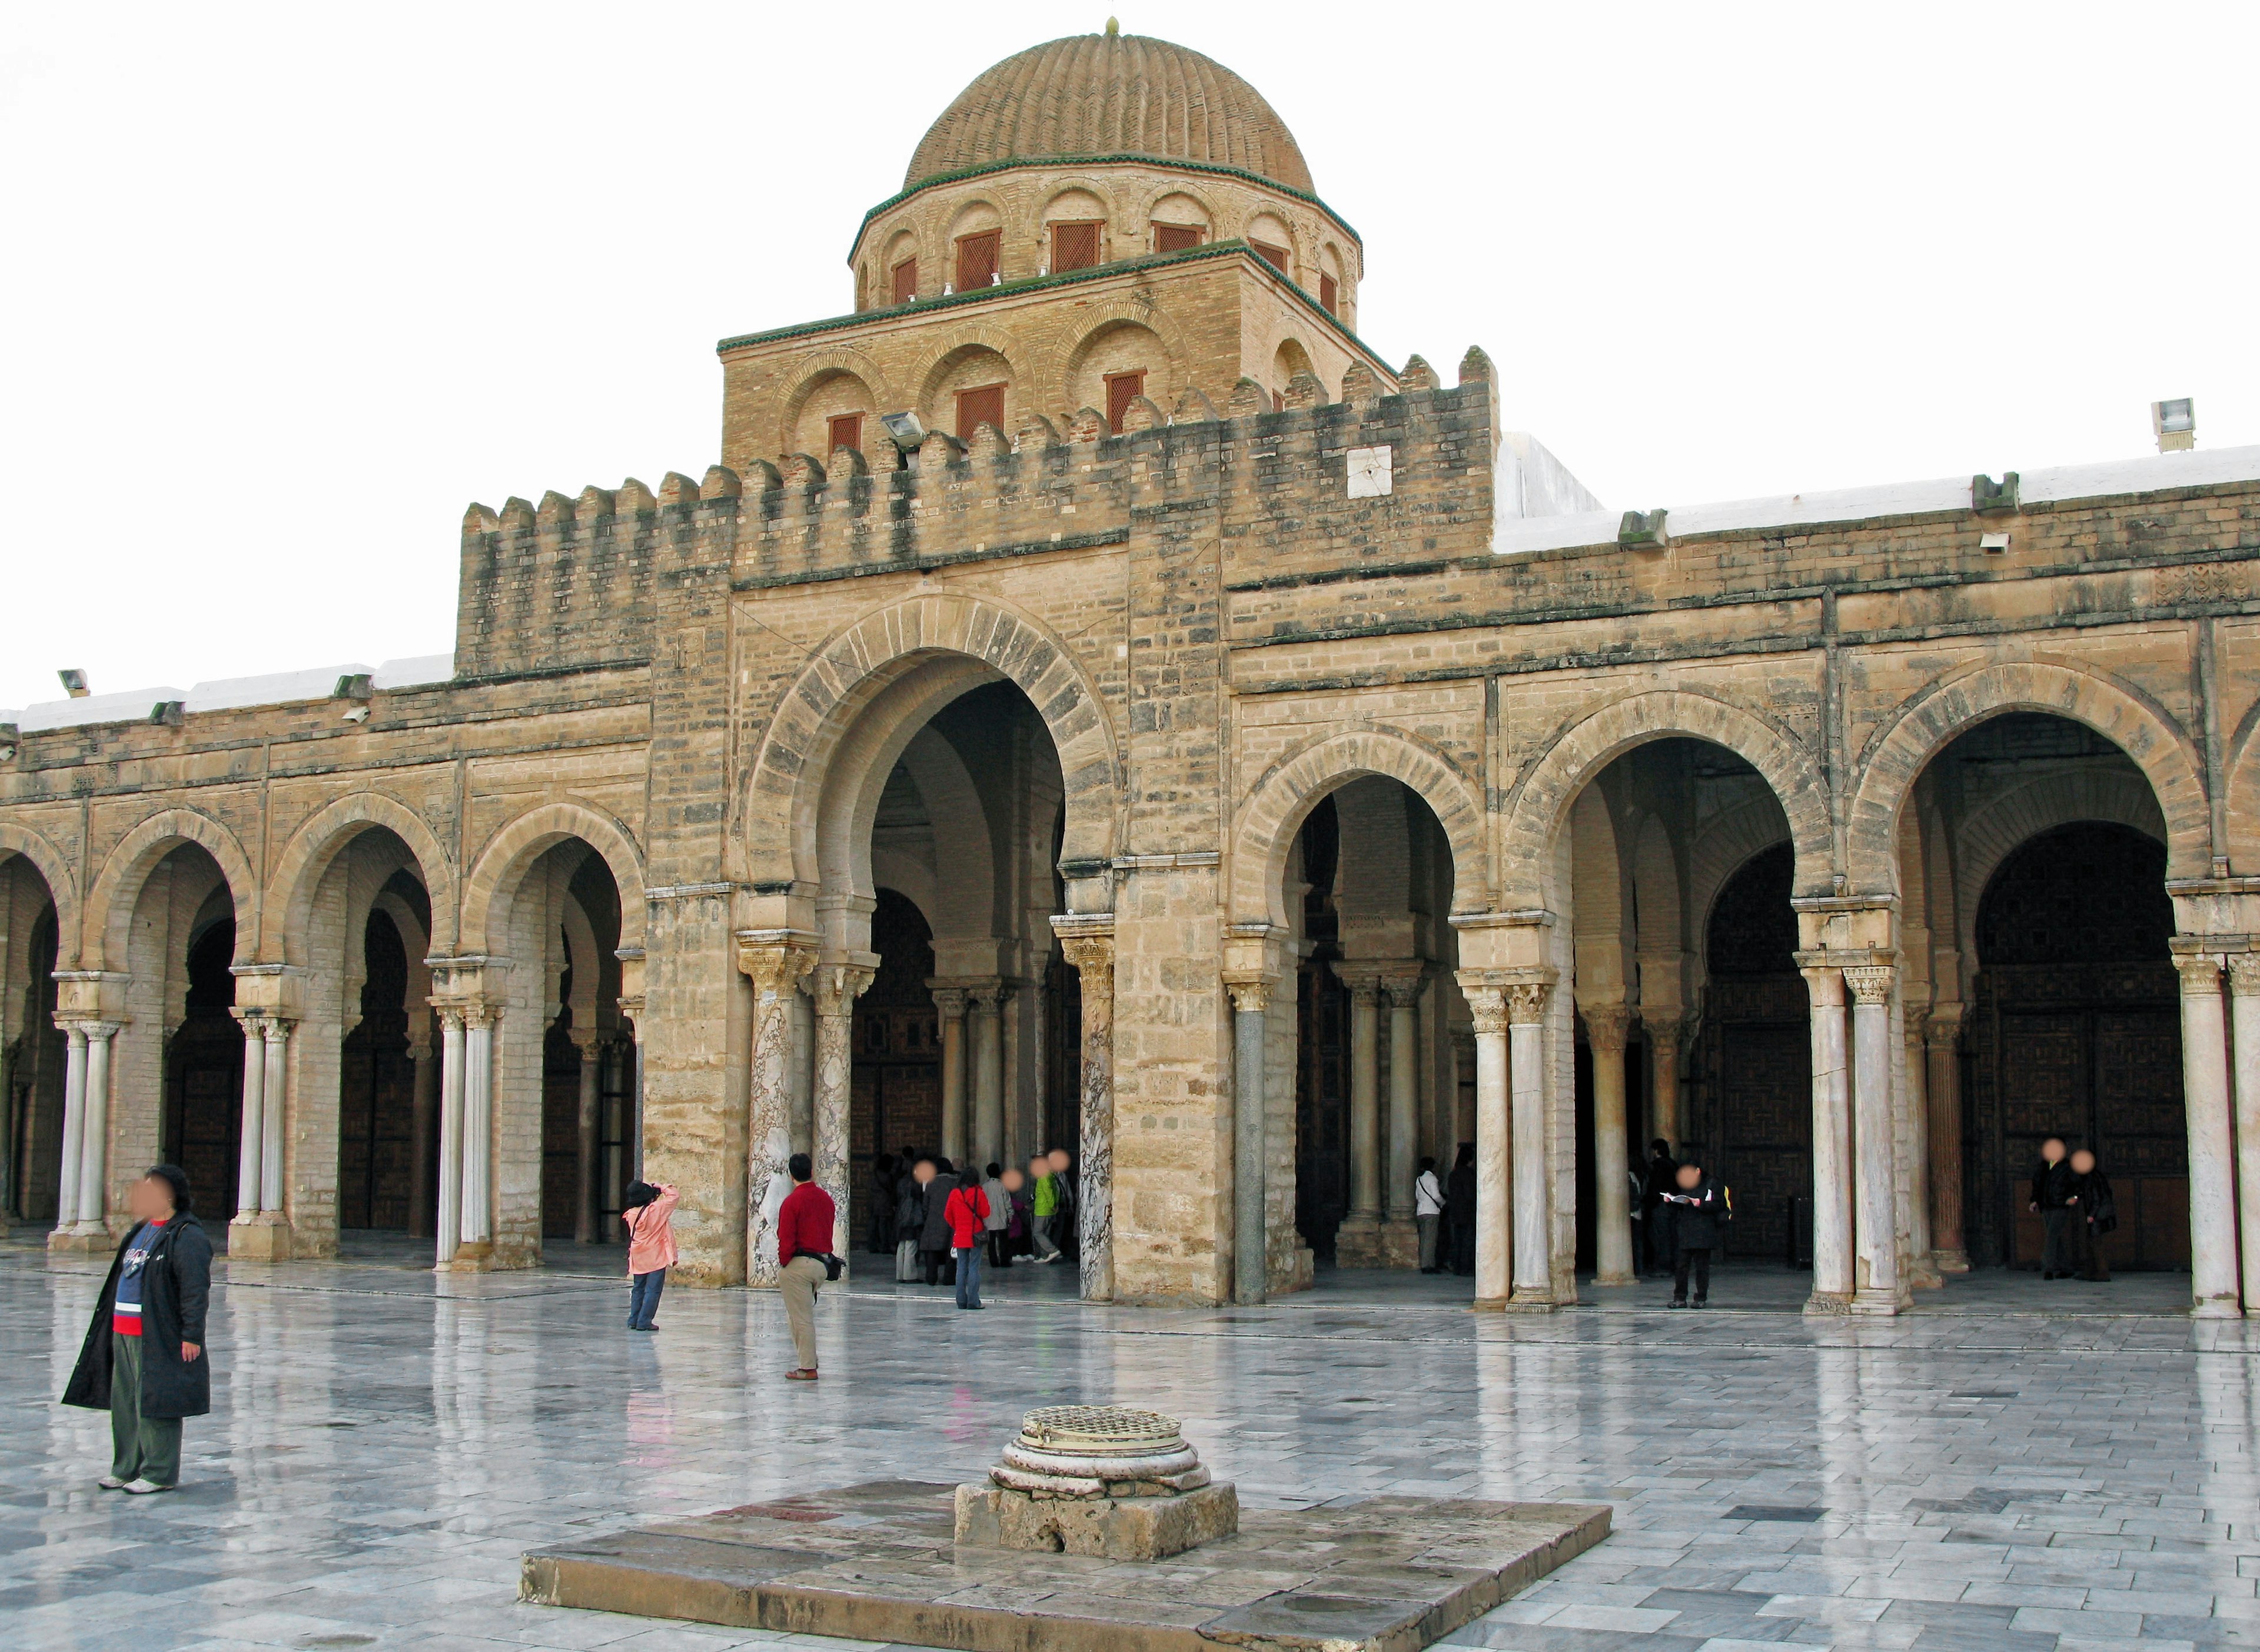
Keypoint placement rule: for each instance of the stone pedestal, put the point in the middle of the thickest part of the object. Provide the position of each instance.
(262, 1236)
(1099, 1480)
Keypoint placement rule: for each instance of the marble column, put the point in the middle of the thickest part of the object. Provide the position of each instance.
(476, 1230)
(94, 1146)
(1942, 1099)
(775, 962)
(1878, 1286)
(1608, 1028)
(986, 1025)
(1364, 1092)
(251, 1138)
(273, 1115)
(585, 1137)
(1461, 1114)
(74, 1126)
(1526, 1035)
(1250, 1268)
(2244, 1005)
(1494, 1144)
(2206, 1102)
(1922, 1266)
(449, 1218)
(1404, 1134)
(833, 989)
(423, 1117)
(1832, 1144)
(1090, 949)
(949, 1002)
(1663, 1029)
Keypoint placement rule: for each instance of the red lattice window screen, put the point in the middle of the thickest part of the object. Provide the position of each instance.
(846, 431)
(905, 276)
(1330, 295)
(985, 405)
(1274, 256)
(976, 259)
(1074, 246)
(1122, 389)
(1176, 238)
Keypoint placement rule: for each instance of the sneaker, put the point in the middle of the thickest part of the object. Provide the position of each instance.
(142, 1488)
(1679, 1302)
(110, 1482)
(1699, 1302)
(803, 1376)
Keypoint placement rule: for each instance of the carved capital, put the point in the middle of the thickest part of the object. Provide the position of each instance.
(2200, 973)
(2244, 973)
(475, 1015)
(987, 998)
(1362, 978)
(775, 959)
(1404, 986)
(1870, 982)
(1251, 997)
(1662, 1023)
(1942, 1028)
(836, 986)
(1608, 1027)
(1090, 955)
(1488, 1005)
(1525, 1002)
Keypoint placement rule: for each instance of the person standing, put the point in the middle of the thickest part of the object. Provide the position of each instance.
(967, 1212)
(1694, 1203)
(2051, 1197)
(804, 1244)
(1656, 1217)
(1460, 1211)
(934, 1239)
(2093, 1214)
(649, 1215)
(1063, 1216)
(1018, 1209)
(1000, 1214)
(143, 1358)
(1427, 1212)
(909, 1221)
(1044, 1207)
(879, 1238)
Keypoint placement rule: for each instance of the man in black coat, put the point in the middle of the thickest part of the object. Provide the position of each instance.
(144, 1357)
(1460, 1212)
(2052, 1194)
(1695, 1204)
(1663, 1177)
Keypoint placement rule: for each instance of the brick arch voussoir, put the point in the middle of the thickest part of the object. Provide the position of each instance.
(501, 864)
(109, 912)
(790, 769)
(1287, 791)
(320, 839)
(1923, 727)
(55, 872)
(1540, 805)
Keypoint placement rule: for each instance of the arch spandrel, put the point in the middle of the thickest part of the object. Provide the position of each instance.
(55, 872)
(1540, 803)
(1924, 723)
(319, 839)
(512, 848)
(109, 915)
(1264, 830)
(848, 673)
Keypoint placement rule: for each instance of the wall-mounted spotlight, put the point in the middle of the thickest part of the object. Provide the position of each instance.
(74, 684)
(2175, 425)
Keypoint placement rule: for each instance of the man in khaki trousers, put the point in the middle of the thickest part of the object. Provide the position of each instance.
(805, 1224)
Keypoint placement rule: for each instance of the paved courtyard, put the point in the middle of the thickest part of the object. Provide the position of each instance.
(2006, 1472)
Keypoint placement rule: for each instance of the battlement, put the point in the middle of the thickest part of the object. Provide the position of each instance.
(578, 581)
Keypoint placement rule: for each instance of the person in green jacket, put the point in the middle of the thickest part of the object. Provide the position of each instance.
(1047, 1212)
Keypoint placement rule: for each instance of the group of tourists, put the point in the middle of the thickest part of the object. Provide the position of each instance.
(2072, 1198)
(940, 1222)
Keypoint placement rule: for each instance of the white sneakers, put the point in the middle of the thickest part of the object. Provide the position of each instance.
(110, 1482)
(142, 1488)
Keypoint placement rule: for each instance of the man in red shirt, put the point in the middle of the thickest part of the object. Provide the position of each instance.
(803, 1240)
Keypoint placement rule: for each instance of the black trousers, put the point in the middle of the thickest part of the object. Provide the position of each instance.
(2056, 1241)
(1699, 1259)
(940, 1266)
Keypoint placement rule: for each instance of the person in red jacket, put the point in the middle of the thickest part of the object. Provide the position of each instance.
(804, 1235)
(967, 1213)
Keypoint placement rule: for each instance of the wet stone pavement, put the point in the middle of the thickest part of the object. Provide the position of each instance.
(2012, 1469)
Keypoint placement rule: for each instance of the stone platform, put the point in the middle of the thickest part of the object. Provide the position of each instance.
(876, 1561)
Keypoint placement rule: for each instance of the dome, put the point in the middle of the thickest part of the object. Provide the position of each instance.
(1111, 95)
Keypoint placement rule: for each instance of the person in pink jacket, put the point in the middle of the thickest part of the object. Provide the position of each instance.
(651, 1247)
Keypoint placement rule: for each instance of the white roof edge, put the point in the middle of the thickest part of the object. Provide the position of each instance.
(2149, 473)
(131, 707)
(276, 688)
(417, 671)
(230, 694)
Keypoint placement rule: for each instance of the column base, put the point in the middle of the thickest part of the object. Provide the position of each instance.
(1361, 1241)
(261, 1236)
(1293, 1271)
(1878, 1303)
(1614, 1279)
(1951, 1261)
(2216, 1308)
(1925, 1276)
(1829, 1303)
(1490, 1305)
(1527, 1301)
(477, 1256)
(79, 1238)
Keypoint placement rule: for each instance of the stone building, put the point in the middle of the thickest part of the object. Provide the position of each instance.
(1095, 702)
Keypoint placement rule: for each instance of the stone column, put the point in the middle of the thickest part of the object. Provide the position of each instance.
(2244, 1003)
(1663, 1027)
(423, 1114)
(448, 1215)
(251, 1138)
(949, 1002)
(834, 987)
(274, 1115)
(1526, 1031)
(1943, 1096)
(1608, 1027)
(73, 1126)
(1832, 1144)
(1251, 1267)
(1460, 1117)
(1358, 1243)
(987, 1027)
(94, 1146)
(1494, 1143)
(585, 1122)
(776, 960)
(1404, 1134)
(1088, 941)
(2205, 1101)
(476, 1231)
(1877, 1285)
(1922, 1267)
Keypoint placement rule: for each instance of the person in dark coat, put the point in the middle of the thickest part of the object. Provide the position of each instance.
(2052, 1199)
(1695, 1203)
(910, 1219)
(881, 1238)
(2093, 1214)
(1663, 1177)
(144, 1359)
(1460, 1211)
(933, 1238)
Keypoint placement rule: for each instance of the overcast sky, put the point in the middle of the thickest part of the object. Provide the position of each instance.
(285, 289)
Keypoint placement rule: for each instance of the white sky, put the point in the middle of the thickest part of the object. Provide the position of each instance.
(285, 288)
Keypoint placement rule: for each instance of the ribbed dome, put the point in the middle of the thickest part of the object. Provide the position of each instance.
(1110, 95)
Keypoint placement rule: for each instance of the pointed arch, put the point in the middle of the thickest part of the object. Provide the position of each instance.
(512, 848)
(1265, 829)
(108, 915)
(55, 872)
(321, 837)
(1923, 725)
